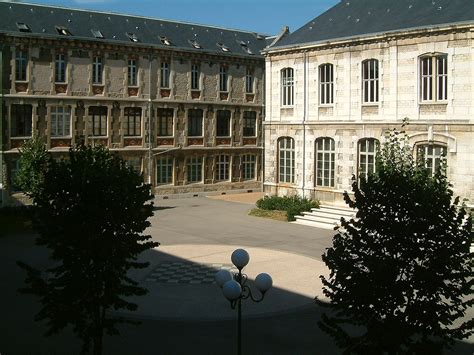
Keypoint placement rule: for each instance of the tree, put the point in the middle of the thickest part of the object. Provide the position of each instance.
(91, 212)
(400, 272)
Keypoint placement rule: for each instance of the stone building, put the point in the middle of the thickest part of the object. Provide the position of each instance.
(181, 102)
(337, 84)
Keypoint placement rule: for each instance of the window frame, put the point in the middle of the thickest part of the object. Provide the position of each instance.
(246, 118)
(129, 163)
(25, 117)
(223, 79)
(435, 159)
(249, 164)
(57, 114)
(60, 68)
(195, 77)
(132, 73)
(435, 80)
(101, 117)
(370, 82)
(326, 84)
(165, 74)
(249, 81)
(132, 113)
(367, 154)
(165, 170)
(163, 115)
(194, 166)
(222, 168)
(332, 163)
(220, 116)
(191, 116)
(287, 155)
(97, 70)
(287, 78)
(21, 65)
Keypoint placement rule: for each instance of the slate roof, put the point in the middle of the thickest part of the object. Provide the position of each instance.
(43, 20)
(355, 18)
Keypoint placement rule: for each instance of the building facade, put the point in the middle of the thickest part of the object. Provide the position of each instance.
(181, 103)
(338, 84)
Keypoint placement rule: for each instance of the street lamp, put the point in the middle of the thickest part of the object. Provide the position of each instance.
(235, 289)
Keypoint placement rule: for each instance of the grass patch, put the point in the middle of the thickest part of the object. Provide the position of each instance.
(292, 206)
(275, 214)
(15, 220)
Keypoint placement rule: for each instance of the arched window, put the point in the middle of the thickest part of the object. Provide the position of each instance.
(370, 81)
(287, 87)
(325, 162)
(286, 159)
(367, 153)
(432, 155)
(434, 77)
(326, 84)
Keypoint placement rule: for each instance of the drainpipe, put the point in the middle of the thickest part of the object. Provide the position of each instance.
(2, 167)
(305, 114)
(262, 127)
(150, 107)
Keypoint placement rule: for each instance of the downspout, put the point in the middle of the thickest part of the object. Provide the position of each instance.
(2, 167)
(305, 114)
(150, 107)
(262, 155)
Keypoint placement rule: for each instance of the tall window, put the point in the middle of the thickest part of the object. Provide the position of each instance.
(326, 84)
(286, 152)
(165, 122)
(325, 162)
(432, 154)
(164, 171)
(98, 120)
(367, 154)
(132, 72)
(223, 123)
(194, 169)
(195, 74)
(195, 123)
(222, 167)
(97, 70)
(60, 68)
(370, 81)
(249, 81)
(434, 78)
(134, 163)
(133, 121)
(21, 120)
(250, 124)
(287, 87)
(223, 78)
(60, 121)
(21, 65)
(248, 166)
(165, 75)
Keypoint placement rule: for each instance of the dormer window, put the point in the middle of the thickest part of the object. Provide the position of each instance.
(63, 31)
(132, 37)
(23, 27)
(195, 44)
(245, 47)
(223, 47)
(97, 34)
(165, 41)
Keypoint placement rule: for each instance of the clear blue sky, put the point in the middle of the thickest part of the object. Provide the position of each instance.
(263, 16)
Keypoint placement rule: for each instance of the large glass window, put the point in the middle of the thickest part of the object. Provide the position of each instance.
(98, 120)
(432, 154)
(132, 72)
(165, 75)
(21, 65)
(434, 78)
(286, 153)
(222, 167)
(325, 162)
(195, 123)
(195, 74)
(370, 81)
(165, 122)
(367, 154)
(60, 68)
(133, 121)
(287, 87)
(164, 171)
(223, 123)
(326, 84)
(60, 121)
(249, 81)
(97, 70)
(250, 124)
(248, 166)
(21, 120)
(223, 78)
(194, 169)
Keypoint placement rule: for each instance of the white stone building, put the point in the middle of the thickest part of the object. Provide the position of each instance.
(336, 85)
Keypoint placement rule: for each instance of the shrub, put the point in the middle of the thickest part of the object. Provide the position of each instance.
(293, 205)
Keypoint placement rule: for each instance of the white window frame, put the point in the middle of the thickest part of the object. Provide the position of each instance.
(325, 168)
(60, 68)
(103, 119)
(97, 70)
(60, 121)
(164, 171)
(163, 117)
(165, 75)
(249, 81)
(287, 87)
(194, 167)
(247, 117)
(195, 77)
(223, 79)
(223, 167)
(132, 73)
(21, 65)
(366, 156)
(433, 71)
(326, 84)
(432, 160)
(286, 160)
(249, 167)
(370, 82)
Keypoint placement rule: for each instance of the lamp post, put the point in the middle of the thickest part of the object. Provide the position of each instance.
(235, 288)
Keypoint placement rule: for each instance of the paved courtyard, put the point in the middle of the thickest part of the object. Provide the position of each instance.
(184, 311)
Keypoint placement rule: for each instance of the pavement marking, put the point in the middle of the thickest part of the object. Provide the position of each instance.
(187, 273)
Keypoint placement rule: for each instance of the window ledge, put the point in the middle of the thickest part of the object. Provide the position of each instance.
(61, 137)
(287, 107)
(20, 137)
(132, 136)
(431, 103)
(326, 105)
(370, 104)
(22, 81)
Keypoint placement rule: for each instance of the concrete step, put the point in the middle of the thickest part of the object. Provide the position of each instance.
(315, 216)
(325, 212)
(326, 217)
(306, 222)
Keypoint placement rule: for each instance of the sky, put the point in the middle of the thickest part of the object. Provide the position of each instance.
(262, 16)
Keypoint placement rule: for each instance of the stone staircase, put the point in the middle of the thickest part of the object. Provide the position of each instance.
(325, 217)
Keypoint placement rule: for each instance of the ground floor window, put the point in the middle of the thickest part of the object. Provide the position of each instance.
(21, 120)
(194, 169)
(98, 120)
(60, 121)
(135, 164)
(367, 154)
(133, 122)
(286, 161)
(14, 169)
(433, 155)
(248, 166)
(325, 162)
(222, 167)
(164, 171)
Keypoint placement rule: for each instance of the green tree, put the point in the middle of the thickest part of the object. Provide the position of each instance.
(91, 213)
(400, 272)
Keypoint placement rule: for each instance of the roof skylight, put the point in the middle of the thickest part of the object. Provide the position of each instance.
(165, 41)
(223, 47)
(132, 37)
(23, 27)
(63, 31)
(97, 34)
(195, 44)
